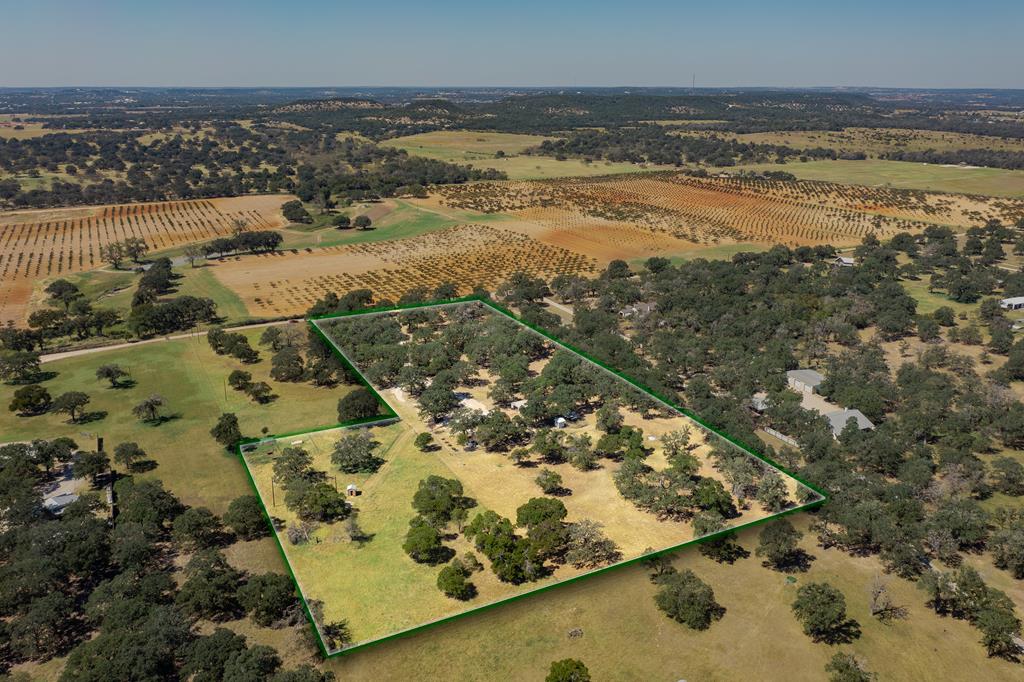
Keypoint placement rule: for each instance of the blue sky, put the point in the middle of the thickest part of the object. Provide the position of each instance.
(902, 43)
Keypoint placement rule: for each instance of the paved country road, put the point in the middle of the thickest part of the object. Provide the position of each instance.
(117, 346)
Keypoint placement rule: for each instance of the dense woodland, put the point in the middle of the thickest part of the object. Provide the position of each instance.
(908, 491)
(655, 144)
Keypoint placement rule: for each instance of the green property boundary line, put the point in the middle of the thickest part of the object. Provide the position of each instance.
(389, 416)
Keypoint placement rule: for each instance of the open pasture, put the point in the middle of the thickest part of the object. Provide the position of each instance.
(193, 381)
(480, 149)
(877, 141)
(995, 182)
(16, 127)
(35, 245)
(461, 146)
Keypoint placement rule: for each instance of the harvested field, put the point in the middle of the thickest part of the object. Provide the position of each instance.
(288, 283)
(47, 243)
(713, 210)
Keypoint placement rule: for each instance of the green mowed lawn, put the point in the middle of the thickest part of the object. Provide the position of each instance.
(906, 175)
(460, 146)
(716, 252)
(930, 301)
(407, 220)
(193, 381)
(115, 288)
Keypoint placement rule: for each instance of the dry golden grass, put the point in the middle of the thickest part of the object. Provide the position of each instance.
(350, 578)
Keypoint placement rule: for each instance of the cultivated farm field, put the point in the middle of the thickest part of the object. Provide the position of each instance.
(287, 283)
(715, 210)
(480, 233)
(38, 244)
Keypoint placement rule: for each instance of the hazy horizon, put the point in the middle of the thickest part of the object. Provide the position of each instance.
(111, 43)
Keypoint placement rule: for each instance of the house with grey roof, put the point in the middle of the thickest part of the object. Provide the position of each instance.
(837, 420)
(806, 383)
(804, 380)
(637, 310)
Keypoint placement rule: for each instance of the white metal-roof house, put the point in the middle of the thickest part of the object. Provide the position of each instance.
(1013, 303)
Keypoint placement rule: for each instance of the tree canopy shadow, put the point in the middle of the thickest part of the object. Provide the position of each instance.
(163, 419)
(844, 633)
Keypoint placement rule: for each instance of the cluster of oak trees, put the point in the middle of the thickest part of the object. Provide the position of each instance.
(908, 491)
(105, 592)
(102, 167)
(657, 144)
